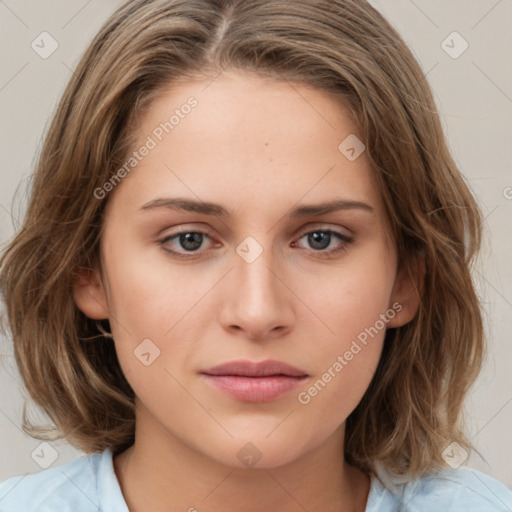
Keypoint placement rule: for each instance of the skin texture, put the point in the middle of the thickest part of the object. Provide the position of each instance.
(259, 148)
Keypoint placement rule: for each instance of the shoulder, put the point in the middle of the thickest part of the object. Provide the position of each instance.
(451, 490)
(463, 489)
(68, 487)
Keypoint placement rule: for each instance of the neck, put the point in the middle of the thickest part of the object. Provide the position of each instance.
(161, 473)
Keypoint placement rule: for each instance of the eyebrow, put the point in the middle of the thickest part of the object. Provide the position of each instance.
(208, 208)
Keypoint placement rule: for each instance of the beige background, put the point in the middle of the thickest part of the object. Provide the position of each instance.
(473, 91)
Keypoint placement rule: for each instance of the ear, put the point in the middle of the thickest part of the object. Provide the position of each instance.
(89, 294)
(407, 291)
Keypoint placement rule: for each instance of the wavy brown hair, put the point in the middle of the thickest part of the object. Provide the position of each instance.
(413, 407)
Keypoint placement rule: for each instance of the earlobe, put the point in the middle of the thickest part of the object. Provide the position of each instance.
(407, 291)
(89, 294)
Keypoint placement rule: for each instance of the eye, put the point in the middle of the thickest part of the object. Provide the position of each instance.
(188, 244)
(187, 241)
(321, 239)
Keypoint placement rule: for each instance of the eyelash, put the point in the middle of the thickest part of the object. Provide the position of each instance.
(319, 253)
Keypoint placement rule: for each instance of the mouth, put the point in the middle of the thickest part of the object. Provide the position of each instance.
(254, 382)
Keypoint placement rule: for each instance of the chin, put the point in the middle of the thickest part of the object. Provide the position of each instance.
(258, 452)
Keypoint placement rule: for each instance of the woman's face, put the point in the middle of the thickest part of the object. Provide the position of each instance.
(276, 250)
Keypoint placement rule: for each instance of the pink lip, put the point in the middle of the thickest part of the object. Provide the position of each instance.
(255, 382)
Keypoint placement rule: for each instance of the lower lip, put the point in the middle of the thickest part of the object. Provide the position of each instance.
(255, 389)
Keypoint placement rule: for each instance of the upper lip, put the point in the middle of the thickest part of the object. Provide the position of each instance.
(245, 368)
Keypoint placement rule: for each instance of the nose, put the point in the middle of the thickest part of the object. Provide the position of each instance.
(257, 300)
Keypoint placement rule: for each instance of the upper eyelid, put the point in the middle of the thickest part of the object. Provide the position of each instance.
(321, 227)
(301, 233)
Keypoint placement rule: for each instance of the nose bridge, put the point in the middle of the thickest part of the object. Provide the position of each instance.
(258, 302)
(256, 279)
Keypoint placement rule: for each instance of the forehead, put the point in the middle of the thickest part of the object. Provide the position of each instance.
(246, 141)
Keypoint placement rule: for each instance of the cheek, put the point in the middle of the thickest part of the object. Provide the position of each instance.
(350, 298)
(158, 314)
(330, 399)
(354, 311)
(149, 295)
(345, 366)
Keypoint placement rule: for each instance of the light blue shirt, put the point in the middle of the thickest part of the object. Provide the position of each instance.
(89, 484)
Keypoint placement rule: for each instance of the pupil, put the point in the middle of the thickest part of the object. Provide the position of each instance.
(319, 239)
